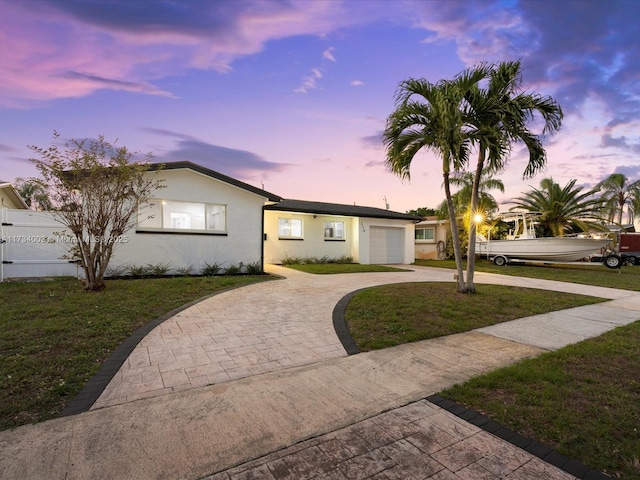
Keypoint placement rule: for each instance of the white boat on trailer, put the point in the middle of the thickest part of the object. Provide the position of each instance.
(525, 246)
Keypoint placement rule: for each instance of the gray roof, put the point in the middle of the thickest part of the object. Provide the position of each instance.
(218, 176)
(322, 208)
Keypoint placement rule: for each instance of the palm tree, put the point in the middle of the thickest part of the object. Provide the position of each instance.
(499, 113)
(486, 203)
(431, 116)
(34, 194)
(563, 209)
(618, 192)
(462, 199)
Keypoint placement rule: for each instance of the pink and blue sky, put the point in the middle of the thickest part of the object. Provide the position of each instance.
(294, 95)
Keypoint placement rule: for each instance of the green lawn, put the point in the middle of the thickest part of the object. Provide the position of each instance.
(626, 278)
(582, 400)
(389, 315)
(55, 336)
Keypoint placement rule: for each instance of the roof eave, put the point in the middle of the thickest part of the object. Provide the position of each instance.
(329, 211)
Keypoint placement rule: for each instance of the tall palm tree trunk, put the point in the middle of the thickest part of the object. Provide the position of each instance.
(455, 238)
(471, 251)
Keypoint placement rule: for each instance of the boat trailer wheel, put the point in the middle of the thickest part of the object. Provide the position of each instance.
(613, 261)
(500, 260)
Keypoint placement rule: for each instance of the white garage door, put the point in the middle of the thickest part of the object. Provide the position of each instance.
(386, 245)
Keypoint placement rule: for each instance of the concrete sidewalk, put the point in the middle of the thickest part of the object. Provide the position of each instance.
(342, 417)
(417, 441)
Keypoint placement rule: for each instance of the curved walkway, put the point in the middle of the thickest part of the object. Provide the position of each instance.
(304, 409)
(264, 328)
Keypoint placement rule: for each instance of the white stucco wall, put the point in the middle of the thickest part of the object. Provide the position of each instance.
(242, 242)
(313, 243)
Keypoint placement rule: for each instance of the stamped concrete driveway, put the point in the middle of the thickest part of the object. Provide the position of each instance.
(263, 328)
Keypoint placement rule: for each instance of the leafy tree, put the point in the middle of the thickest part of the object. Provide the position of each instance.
(619, 192)
(422, 212)
(563, 209)
(431, 117)
(33, 193)
(499, 114)
(96, 189)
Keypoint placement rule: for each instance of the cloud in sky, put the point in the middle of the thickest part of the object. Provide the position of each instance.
(7, 148)
(328, 54)
(630, 171)
(620, 142)
(310, 82)
(135, 43)
(372, 141)
(375, 164)
(95, 82)
(76, 47)
(232, 162)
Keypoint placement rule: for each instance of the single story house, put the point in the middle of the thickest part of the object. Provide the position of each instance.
(201, 217)
(298, 228)
(431, 238)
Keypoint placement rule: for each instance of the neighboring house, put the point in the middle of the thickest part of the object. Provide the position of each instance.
(297, 228)
(431, 239)
(10, 198)
(199, 217)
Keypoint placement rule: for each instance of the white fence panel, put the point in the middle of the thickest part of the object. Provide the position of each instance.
(33, 244)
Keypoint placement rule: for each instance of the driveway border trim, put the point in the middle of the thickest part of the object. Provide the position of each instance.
(569, 465)
(94, 387)
(340, 323)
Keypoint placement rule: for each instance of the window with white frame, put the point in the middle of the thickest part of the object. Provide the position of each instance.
(426, 233)
(174, 215)
(290, 228)
(334, 231)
